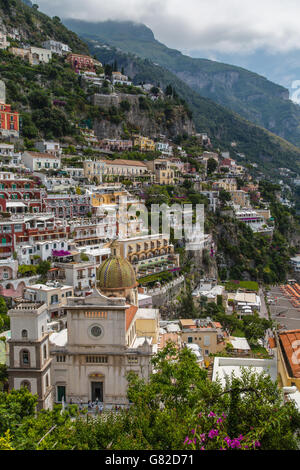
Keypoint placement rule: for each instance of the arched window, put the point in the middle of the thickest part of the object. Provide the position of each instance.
(24, 334)
(47, 381)
(25, 358)
(26, 384)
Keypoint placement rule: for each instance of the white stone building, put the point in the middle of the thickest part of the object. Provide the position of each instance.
(36, 161)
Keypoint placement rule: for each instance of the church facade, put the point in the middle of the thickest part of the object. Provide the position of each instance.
(91, 358)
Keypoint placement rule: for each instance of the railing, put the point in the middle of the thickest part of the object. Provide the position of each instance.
(166, 287)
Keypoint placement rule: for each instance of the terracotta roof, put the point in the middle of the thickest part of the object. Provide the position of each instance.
(125, 162)
(130, 314)
(188, 323)
(290, 344)
(272, 343)
(41, 155)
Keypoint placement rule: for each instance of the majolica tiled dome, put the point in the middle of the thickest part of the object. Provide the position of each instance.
(116, 273)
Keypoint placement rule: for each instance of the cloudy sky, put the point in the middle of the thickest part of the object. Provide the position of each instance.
(226, 26)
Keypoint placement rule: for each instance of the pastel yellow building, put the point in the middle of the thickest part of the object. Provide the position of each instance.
(147, 324)
(109, 168)
(144, 143)
(163, 171)
(240, 198)
(205, 333)
(229, 184)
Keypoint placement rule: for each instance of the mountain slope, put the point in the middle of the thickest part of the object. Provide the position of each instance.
(246, 93)
(34, 91)
(36, 27)
(223, 125)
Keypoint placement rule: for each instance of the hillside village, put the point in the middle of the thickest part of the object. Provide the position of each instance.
(84, 302)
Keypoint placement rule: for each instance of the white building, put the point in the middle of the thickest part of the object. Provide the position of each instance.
(6, 149)
(255, 221)
(53, 294)
(29, 358)
(27, 252)
(36, 161)
(164, 148)
(119, 79)
(226, 366)
(53, 148)
(4, 44)
(295, 262)
(81, 275)
(39, 55)
(56, 47)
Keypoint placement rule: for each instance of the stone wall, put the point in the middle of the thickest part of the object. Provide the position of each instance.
(2, 92)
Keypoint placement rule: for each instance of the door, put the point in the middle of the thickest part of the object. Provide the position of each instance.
(61, 393)
(97, 391)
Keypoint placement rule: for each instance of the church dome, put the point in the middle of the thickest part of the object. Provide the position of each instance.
(116, 273)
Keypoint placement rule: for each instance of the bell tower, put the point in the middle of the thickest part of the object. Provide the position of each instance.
(29, 352)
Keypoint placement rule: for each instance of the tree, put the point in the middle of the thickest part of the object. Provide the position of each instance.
(43, 268)
(27, 270)
(177, 405)
(186, 308)
(255, 327)
(4, 318)
(212, 165)
(224, 197)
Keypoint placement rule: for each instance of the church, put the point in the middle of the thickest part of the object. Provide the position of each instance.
(107, 336)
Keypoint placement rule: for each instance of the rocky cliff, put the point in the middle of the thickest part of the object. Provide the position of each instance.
(170, 120)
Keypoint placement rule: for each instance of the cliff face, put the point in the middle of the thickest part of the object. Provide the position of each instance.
(252, 96)
(170, 121)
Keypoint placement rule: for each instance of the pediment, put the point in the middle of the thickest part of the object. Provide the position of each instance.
(97, 298)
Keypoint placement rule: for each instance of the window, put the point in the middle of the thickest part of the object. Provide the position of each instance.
(24, 334)
(190, 339)
(60, 358)
(206, 341)
(47, 381)
(26, 384)
(133, 360)
(96, 359)
(45, 352)
(25, 358)
(54, 299)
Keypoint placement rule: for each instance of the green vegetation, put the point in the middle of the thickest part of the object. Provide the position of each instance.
(179, 392)
(4, 318)
(222, 125)
(233, 286)
(37, 26)
(250, 95)
(162, 277)
(247, 254)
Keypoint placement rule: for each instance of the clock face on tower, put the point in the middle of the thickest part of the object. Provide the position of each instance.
(95, 331)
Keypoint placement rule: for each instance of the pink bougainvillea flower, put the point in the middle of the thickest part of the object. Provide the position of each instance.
(213, 433)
